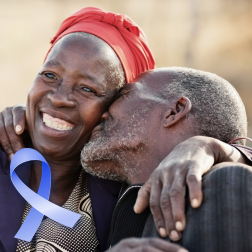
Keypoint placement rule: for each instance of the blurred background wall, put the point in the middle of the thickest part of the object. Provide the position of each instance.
(211, 35)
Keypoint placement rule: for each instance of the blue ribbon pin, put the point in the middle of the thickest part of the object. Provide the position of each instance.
(39, 202)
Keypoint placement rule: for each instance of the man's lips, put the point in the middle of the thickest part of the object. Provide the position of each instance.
(97, 129)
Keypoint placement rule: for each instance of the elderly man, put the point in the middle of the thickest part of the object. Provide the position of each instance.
(162, 109)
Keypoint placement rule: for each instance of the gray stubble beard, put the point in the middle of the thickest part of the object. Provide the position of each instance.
(100, 158)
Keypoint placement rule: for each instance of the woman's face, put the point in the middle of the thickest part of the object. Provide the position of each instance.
(74, 87)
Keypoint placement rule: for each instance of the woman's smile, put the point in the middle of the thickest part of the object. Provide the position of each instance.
(56, 123)
(54, 127)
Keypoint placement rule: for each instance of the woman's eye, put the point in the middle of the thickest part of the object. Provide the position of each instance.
(50, 76)
(87, 89)
(121, 93)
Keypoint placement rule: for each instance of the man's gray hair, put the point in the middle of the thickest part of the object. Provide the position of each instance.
(218, 109)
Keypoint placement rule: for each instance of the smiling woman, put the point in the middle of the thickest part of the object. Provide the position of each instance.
(93, 55)
(76, 84)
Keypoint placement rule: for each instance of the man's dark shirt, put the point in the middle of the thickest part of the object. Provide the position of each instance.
(126, 223)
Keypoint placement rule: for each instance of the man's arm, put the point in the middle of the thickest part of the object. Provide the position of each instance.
(223, 222)
(185, 165)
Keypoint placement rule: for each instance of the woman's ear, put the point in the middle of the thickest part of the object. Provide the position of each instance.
(177, 111)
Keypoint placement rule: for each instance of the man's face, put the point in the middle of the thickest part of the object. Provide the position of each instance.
(128, 128)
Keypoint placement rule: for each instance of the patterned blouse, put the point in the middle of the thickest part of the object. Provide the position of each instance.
(54, 237)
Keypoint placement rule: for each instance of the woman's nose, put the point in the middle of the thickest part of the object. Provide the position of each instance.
(60, 98)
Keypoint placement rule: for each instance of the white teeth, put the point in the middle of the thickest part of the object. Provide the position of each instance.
(55, 125)
(49, 123)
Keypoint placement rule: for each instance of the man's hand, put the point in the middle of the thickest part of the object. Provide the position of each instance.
(185, 165)
(12, 125)
(146, 244)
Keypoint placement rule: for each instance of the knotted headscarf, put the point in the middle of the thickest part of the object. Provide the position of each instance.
(123, 35)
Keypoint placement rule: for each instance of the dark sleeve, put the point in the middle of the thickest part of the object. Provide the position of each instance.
(224, 220)
(245, 150)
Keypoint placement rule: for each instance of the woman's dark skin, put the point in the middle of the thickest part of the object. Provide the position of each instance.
(74, 86)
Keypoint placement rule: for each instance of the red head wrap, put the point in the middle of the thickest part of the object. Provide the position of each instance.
(123, 35)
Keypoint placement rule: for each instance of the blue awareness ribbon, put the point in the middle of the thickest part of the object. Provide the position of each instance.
(39, 201)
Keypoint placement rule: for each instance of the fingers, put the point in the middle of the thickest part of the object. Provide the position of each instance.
(194, 184)
(167, 197)
(19, 118)
(4, 140)
(9, 140)
(155, 194)
(161, 204)
(172, 198)
(166, 209)
(143, 197)
(172, 206)
(177, 201)
(160, 207)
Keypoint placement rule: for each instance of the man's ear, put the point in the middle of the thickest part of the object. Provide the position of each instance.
(177, 111)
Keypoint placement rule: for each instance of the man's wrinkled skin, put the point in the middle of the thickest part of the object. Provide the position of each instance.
(170, 129)
(185, 164)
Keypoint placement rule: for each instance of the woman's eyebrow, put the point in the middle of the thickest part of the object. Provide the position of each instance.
(89, 77)
(86, 76)
(92, 78)
(54, 63)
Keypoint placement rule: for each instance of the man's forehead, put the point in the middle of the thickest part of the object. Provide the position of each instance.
(142, 92)
(152, 81)
(149, 86)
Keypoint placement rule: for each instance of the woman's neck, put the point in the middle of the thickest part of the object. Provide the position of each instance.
(64, 176)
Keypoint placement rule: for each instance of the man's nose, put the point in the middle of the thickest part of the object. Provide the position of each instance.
(60, 98)
(105, 116)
